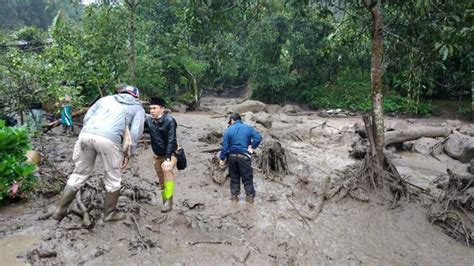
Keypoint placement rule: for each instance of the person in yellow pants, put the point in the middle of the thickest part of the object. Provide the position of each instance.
(162, 129)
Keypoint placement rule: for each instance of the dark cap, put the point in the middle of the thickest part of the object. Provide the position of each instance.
(234, 117)
(158, 101)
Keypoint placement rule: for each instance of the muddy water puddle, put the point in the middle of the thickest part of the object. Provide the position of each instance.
(12, 246)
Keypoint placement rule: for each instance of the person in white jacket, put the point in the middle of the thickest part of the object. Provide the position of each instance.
(101, 136)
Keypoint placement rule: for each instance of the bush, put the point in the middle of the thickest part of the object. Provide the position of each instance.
(356, 96)
(351, 95)
(16, 175)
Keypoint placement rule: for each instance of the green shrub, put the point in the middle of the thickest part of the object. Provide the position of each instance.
(356, 96)
(15, 172)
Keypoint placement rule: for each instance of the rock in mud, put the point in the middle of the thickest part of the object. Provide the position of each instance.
(247, 106)
(460, 147)
(213, 137)
(467, 130)
(290, 109)
(425, 145)
(264, 119)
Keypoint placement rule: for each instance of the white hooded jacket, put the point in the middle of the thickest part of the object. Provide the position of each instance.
(107, 118)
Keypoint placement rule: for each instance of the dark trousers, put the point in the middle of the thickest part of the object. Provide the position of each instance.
(240, 166)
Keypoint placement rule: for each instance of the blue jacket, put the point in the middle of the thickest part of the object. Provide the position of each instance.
(238, 137)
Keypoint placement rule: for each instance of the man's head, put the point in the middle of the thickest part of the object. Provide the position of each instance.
(132, 90)
(233, 118)
(157, 107)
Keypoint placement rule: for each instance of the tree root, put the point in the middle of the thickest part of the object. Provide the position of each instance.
(449, 211)
(272, 160)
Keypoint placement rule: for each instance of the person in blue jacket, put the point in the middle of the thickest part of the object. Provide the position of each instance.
(238, 145)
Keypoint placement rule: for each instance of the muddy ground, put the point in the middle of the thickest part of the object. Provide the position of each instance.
(205, 228)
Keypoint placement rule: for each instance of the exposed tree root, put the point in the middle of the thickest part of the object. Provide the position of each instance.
(272, 160)
(453, 210)
(219, 175)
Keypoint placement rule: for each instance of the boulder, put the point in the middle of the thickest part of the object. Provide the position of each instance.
(290, 109)
(180, 108)
(249, 118)
(283, 118)
(264, 119)
(247, 106)
(424, 145)
(273, 108)
(460, 147)
(467, 130)
(453, 123)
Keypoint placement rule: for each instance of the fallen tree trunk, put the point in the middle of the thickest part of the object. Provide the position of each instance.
(56, 123)
(400, 136)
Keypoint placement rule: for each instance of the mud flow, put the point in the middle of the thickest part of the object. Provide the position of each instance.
(293, 221)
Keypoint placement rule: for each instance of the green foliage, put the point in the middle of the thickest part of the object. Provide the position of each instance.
(14, 170)
(20, 82)
(351, 95)
(356, 96)
(282, 50)
(39, 13)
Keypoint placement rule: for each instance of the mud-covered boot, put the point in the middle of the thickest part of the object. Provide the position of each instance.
(168, 196)
(163, 198)
(249, 199)
(67, 197)
(168, 206)
(110, 207)
(234, 198)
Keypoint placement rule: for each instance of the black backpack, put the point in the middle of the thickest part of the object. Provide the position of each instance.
(181, 156)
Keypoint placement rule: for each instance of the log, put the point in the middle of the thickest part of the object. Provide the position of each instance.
(56, 123)
(400, 136)
(211, 150)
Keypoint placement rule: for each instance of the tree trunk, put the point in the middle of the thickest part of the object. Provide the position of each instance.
(399, 136)
(376, 77)
(472, 95)
(194, 87)
(132, 5)
(196, 92)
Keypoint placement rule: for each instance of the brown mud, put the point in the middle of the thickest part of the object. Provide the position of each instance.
(287, 224)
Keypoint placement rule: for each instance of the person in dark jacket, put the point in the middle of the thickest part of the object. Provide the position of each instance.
(237, 148)
(162, 128)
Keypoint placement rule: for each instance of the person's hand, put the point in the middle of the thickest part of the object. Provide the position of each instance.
(166, 166)
(250, 149)
(125, 161)
(221, 164)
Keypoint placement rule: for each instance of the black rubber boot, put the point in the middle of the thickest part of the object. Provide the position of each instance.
(110, 207)
(67, 197)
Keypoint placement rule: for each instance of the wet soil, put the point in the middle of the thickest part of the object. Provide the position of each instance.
(206, 228)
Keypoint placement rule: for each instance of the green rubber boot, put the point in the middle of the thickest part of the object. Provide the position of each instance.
(110, 207)
(67, 197)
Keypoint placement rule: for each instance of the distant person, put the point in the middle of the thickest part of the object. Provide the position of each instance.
(162, 128)
(10, 121)
(101, 136)
(66, 116)
(238, 145)
(35, 120)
